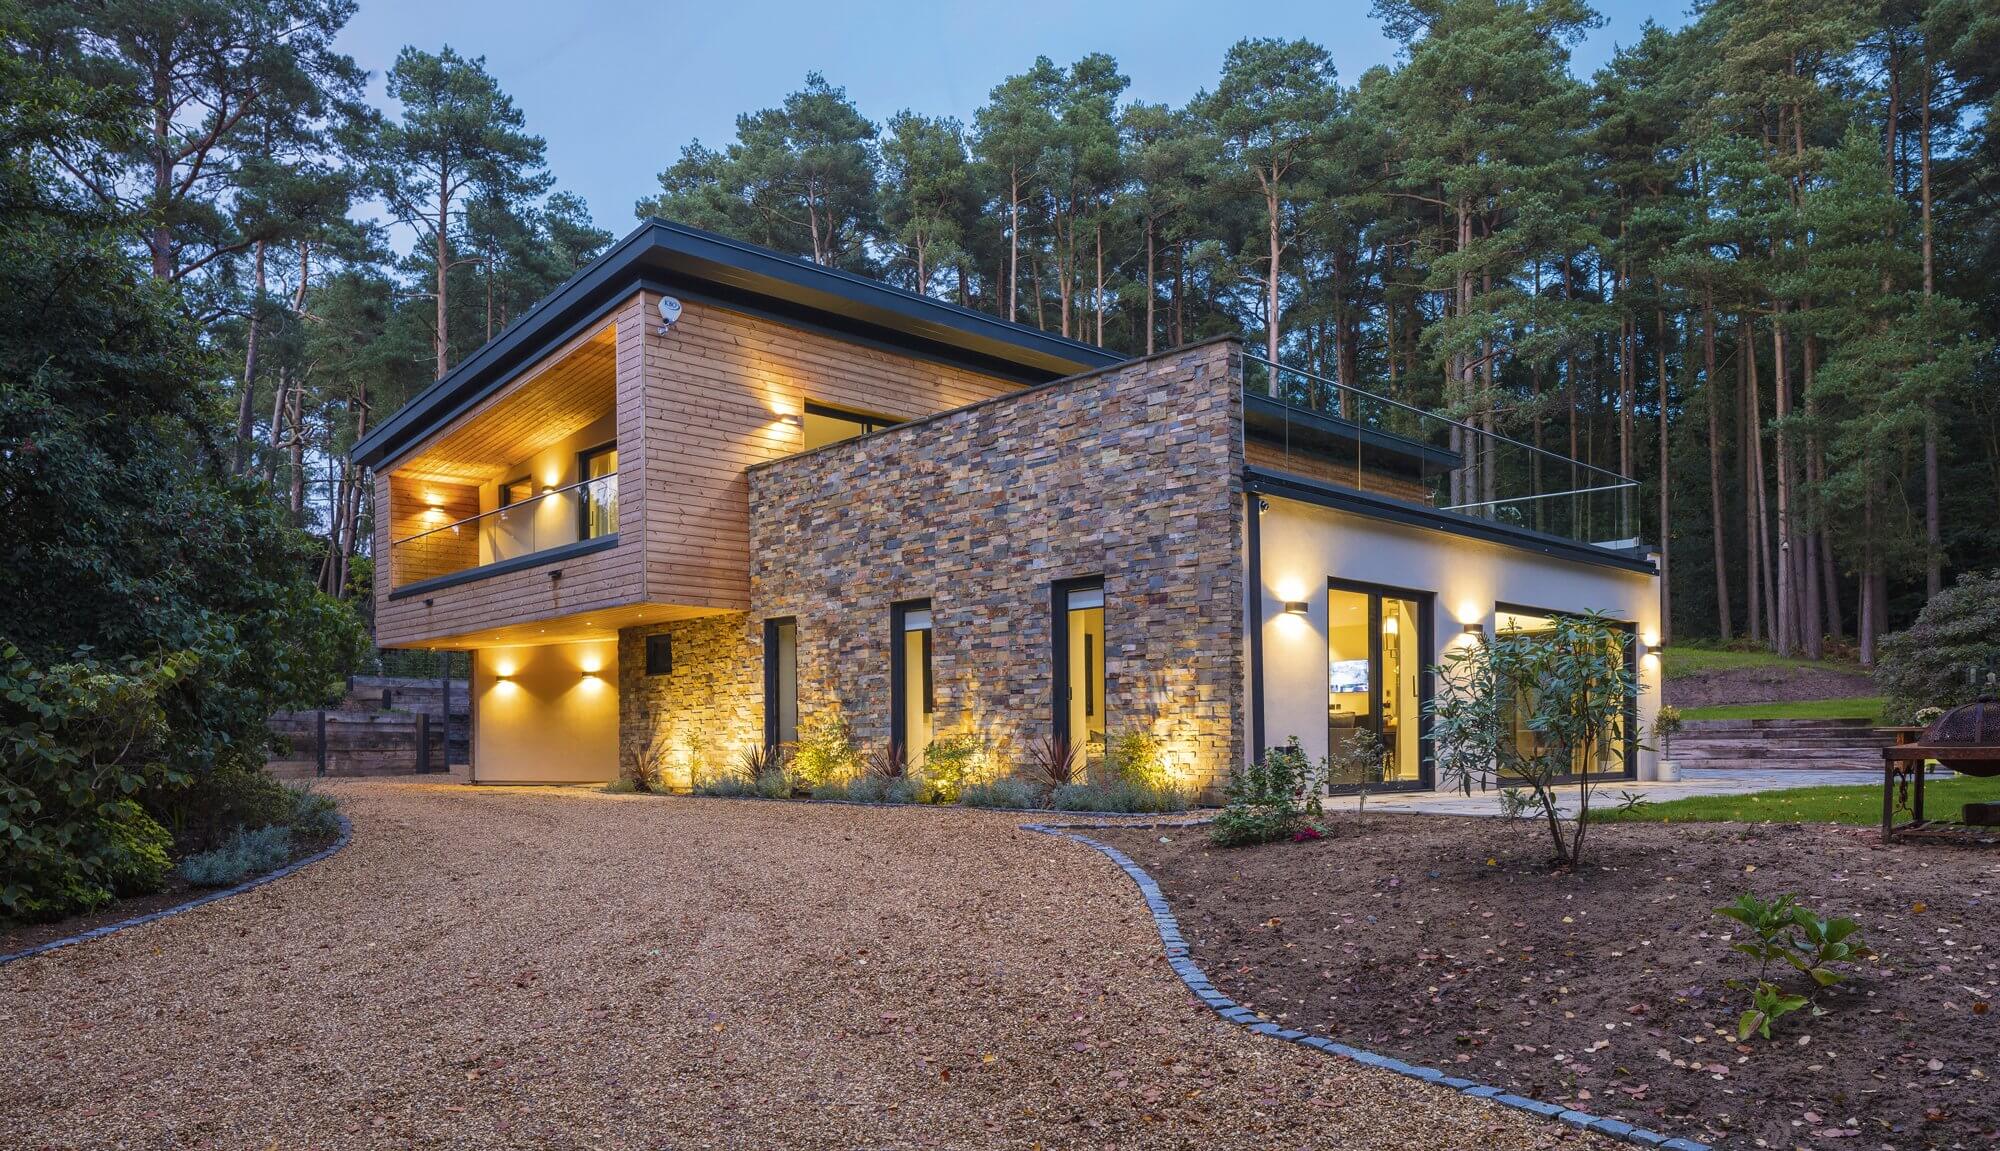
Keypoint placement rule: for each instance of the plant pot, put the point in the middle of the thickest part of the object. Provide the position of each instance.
(1666, 771)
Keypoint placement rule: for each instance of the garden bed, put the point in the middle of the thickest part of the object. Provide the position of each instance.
(17, 937)
(1450, 943)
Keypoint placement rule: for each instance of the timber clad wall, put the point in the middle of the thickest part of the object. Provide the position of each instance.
(1264, 454)
(1133, 473)
(718, 385)
(695, 407)
(440, 552)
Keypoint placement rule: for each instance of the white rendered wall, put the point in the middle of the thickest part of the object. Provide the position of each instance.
(553, 718)
(1303, 545)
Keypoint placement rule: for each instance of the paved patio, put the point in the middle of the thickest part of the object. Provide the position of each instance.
(1609, 794)
(502, 967)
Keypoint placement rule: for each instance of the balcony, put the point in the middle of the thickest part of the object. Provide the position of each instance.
(528, 528)
(1321, 429)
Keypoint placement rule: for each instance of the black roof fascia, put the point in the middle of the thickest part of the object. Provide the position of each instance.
(745, 277)
(1416, 515)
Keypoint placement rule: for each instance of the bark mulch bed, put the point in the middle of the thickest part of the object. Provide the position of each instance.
(1450, 942)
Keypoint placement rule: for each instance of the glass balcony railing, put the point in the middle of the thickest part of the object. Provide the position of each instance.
(1323, 429)
(553, 518)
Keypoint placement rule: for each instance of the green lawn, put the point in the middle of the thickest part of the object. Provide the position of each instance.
(1857, 805)
(1694, 657)
(1868, 707)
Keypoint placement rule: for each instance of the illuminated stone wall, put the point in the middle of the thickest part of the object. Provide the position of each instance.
(1133, 473)
(705, 712)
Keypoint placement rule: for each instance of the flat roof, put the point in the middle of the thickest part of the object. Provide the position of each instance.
(699, 265)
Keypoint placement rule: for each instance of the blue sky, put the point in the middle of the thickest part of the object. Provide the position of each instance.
(616, 89)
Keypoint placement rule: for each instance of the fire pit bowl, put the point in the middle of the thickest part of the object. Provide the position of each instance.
(1971, 725)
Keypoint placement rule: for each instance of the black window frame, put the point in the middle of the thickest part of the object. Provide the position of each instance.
(772, 675)
(505, 485)
(899, 728)
(1631, 630)
(660, 651)
(871, 422)
(583, 459)
(1426, 602)
(1059, 593)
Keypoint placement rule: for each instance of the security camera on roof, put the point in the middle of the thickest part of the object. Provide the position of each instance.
(670, 310)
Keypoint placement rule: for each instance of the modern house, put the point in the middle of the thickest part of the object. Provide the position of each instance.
(688, 528)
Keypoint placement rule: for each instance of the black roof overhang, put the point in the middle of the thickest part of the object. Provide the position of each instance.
(1287, 486)
(703, 266)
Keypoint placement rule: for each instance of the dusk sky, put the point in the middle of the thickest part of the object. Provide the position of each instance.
(617, 89)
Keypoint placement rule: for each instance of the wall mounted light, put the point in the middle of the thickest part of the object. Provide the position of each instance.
(792, 419)
(1475, 631)
(1297, 607)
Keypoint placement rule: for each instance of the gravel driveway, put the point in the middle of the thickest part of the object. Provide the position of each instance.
(540, 968)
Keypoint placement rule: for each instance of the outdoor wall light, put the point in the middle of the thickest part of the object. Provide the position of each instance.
(1297, 607)
(792, 419)
(1475, 630)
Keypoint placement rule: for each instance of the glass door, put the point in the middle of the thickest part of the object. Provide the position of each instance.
(1377, 686)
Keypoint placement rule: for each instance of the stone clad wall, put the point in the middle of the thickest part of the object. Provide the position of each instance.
(1133, 473)
(706, 712)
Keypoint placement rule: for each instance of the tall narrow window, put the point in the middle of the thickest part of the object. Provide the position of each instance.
(598, 502)
(781, 681)
(1376, 683)
(913, 699)
(1079, 665)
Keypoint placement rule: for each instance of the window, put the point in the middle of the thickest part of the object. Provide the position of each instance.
(781, 681)
(1615, 752)
(517, 491)
(824, 425)
(597, 504)
(659, 655)
(913, 689)
(1376, 643)
(1079, 665)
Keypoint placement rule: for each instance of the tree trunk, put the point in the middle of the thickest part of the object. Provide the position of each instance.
(1151, 284)
(246, 403)
(1787, 603)
(1711, 396)
(443, 268)
(1271, 283)
(1666, 532)
(1933, 522)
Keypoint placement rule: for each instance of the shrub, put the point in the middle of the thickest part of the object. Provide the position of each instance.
(951, 764)
(1118, 796)
(776, 784)
(242, 855)
(1566, 688)
(1356, 765)
(215, 803)
(1134, 757)
(76, 741)
(645, 768)
(837, 789)
(1052, 762)
(1665, 726)
(1950, 655)
(727, 785)
(1009, 792)
(1266, 800)
(315, 815)
(825, 750)
(873, 788)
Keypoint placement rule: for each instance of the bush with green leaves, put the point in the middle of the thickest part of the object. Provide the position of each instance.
(875, 787)
(1133, 756)
(78, 741)
(1527, 707)
(1119, 796)
(1007, 792)
(727, 785)
(314, 814)
(1268, 799)
(1784, 933)
(1666, 725)
(242, 855)
(951, 764)
(825, 750)
(1950, 655)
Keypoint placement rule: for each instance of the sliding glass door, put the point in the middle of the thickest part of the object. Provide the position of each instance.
(1377, 640)
(1614, 754)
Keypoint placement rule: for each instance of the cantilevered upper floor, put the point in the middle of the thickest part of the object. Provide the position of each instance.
(584, 471)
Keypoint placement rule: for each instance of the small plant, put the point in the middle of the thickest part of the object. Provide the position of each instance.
(1782, 931)
(1009, 793)
(1516, 803)
(1631, 801)
(244, 854)
(727, 785)
(888, 761)
(873, 788)
(1053, 761)
(645, 768)
(1266, 800)
(759, 760)
(951, 764)
(1927, 716)
(1133, 757)
(1665, 726)
(775, 784)
(825, 750)
(1355, 766)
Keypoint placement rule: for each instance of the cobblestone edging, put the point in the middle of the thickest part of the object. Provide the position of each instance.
(1197, 983)
(346, 833)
